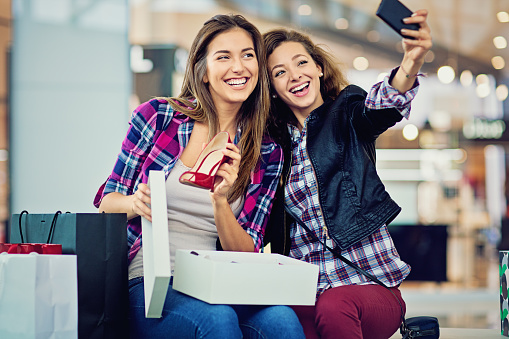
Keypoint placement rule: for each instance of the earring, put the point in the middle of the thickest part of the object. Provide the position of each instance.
(321, 74)
(274, 96)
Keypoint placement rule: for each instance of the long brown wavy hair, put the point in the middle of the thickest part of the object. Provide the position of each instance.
(196, 101)
(331, 83)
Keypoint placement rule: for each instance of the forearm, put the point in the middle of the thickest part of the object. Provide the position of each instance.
(405, 77)
(115, 202)
(416, 47)
(232, 236)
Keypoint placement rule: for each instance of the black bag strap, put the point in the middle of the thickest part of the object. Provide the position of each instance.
(20, 230)
(338, 254)
(51, 230)
(53, 224)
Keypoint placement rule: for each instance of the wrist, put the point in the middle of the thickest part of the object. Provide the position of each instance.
(411, 68)
(410, 75)
(219, 201)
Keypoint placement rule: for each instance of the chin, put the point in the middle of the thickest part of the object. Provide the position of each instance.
(238, 100)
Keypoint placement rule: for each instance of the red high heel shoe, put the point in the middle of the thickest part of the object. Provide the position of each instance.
(211, 157)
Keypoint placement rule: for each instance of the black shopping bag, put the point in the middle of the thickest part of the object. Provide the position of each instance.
(100, 242)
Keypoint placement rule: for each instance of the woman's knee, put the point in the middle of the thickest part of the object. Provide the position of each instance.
(219, 316)
(289, 325)
(270, 322)
(337, 303)
(208, 319)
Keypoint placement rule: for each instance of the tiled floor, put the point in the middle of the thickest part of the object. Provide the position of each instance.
(455, 307)
(463, 333)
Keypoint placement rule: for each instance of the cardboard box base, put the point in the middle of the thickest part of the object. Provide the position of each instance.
(245, 278)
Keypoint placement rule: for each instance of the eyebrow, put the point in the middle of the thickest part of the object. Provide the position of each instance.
(281, 65)
(227, 51)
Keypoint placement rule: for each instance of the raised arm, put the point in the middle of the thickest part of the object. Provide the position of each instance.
(415, 51)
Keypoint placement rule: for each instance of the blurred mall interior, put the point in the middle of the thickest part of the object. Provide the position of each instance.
(71, 71)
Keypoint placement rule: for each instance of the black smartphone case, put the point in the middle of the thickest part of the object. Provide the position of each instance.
(393, 12)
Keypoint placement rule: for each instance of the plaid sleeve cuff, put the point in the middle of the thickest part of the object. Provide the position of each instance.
(383, 95)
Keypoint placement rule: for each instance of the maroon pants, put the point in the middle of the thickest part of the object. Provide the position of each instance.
(353, 312)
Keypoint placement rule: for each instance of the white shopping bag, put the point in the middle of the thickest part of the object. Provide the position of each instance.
(38, 296)
(156, 247)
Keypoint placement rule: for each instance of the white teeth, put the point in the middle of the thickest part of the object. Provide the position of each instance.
(236, 82)
(298, 88)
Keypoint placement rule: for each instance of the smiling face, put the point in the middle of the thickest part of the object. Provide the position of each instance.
(232, 68)
(295, 77)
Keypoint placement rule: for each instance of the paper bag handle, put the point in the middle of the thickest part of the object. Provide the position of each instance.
(51, 229)
(20, 231)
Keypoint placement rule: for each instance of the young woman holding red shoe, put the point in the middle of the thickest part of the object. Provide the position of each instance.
(224, 94)
(330, 187)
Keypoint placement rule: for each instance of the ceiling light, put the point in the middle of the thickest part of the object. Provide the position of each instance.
(341, 23)
(500, 42)
(304, 10)
(440, 120)
(503, 16)
(483, 90)
(138, 63)
(410, 132)
(446, 74)
(360, 63)
(466, 78)
(482, 79)
(498, 62)
(4, 155)
(502, 92)
(381, 76)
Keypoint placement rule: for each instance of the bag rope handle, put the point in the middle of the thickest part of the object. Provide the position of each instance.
(20, 231)
(51, 230)
(52, 227)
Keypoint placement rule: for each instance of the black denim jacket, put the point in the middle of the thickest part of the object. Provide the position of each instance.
(341, 137)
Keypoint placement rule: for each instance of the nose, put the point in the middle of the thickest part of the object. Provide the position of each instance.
(294, 74)
(238, 65)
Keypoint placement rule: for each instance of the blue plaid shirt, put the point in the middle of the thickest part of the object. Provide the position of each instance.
(376, 254)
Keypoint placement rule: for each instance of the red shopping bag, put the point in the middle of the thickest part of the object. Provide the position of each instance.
(29, 248)
(4, 247)
(41, 248)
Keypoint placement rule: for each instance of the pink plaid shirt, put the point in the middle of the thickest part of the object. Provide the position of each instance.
(156, 137)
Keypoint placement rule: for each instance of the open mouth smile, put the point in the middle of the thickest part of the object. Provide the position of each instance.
(299, 88)
(237, 82)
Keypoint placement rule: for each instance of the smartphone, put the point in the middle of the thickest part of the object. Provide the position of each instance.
(393, 12)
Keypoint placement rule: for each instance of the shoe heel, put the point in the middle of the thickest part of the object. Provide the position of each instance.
(203, 173)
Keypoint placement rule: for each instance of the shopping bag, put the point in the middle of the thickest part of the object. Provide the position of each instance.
(38, 296)
(41, 248)
(29, 248)
(100, 242)
(503, 270)
(156, 248)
